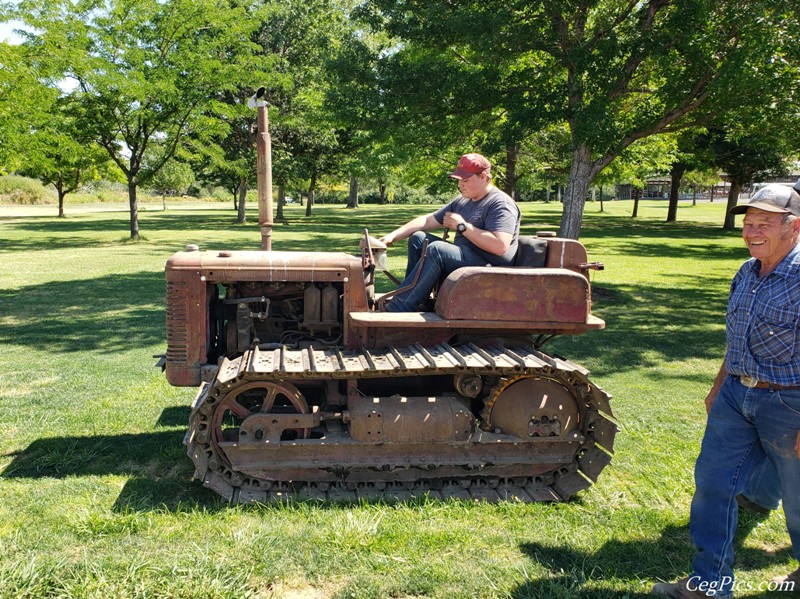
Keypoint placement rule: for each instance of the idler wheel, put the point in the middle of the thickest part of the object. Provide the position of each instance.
(257, 397)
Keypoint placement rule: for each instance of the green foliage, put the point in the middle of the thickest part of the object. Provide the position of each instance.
(613, 72)
(419, 196)
(173, 178)
(145, 69)
(24, 102)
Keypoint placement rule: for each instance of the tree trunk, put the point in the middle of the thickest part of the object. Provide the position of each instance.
(580, 177)
(61, 194)
(601, 198)
(134, 207)
(241, 214)
(733, 199)
(512, 156)
(352, 201)
(676, 175)
(635, 212)
(312, 189)
(281, 202)
(381, 193)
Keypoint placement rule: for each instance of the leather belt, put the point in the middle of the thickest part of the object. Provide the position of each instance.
(749, 381)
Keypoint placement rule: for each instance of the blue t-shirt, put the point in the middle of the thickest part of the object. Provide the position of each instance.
(763, 322)
(495, 212)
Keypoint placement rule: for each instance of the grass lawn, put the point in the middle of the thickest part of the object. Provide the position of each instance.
(95, 491)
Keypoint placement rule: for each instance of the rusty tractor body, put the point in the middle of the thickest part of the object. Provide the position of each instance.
(307, 389)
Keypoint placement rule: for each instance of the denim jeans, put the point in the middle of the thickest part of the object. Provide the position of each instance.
(763, 487)
(441, 258)
(745, 427)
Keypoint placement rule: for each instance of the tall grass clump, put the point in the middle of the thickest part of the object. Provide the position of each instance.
(15, 189)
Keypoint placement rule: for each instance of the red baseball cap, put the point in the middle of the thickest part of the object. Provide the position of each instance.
(470, 164)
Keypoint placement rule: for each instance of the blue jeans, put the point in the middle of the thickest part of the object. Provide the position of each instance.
(441, 258)
(763, 487)
(745, 427)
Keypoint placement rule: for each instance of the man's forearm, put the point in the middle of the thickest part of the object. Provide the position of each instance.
(420, 223)
(488, 241)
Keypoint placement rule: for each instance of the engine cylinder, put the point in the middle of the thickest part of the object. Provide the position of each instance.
(330, 304)
(311, 304)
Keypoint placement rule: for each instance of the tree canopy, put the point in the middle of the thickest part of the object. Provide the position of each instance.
(144, 70)
(554, 90)
(614, 71)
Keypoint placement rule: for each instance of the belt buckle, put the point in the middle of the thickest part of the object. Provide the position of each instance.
(748, 381)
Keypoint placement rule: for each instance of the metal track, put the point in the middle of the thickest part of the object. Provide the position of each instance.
(591, 455)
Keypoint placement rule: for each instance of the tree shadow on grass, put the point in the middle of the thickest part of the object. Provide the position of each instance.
(113, 312)
(156, 463)
(667, 558)
(647, 327)
(209, 228)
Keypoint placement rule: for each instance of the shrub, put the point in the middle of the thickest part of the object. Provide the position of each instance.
(332, 197)
(23, 190)
(218, 193)
(420, 196)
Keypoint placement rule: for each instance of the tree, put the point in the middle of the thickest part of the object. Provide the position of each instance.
(224, 152)
(614, 72)
(172, 179)
(145, 69)
(745, 160)
(692, 152)
(638, 162)
(292, 41)
(59, 153)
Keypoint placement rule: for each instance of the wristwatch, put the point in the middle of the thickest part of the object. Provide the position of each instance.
(461, 227)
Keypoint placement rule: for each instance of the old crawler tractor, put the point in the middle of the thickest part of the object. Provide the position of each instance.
(307, 389)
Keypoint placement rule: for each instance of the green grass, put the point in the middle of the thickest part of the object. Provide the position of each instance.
(95, 491)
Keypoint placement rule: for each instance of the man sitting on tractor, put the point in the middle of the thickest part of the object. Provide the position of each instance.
(486, 222)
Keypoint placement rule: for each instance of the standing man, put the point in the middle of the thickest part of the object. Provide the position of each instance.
(486, 225)
(754, 403)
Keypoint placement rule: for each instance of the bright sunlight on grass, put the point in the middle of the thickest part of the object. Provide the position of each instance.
(96, 498)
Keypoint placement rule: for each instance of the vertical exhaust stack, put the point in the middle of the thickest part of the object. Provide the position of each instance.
(263, 168)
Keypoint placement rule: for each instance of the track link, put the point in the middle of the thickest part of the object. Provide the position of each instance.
(597, 430)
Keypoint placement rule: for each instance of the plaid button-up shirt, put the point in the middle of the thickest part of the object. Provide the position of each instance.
(763, 322)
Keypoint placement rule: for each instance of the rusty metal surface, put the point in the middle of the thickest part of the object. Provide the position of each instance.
(335, 466)
(288, 364)
(566, 253)
(533, 407)
(518, 295)
(264, 175)
(225, 266)
(409, 420)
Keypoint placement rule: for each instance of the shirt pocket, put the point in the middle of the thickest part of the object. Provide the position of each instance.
(773, 335)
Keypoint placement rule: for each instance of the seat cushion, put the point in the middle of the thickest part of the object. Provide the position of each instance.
(531, 252)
